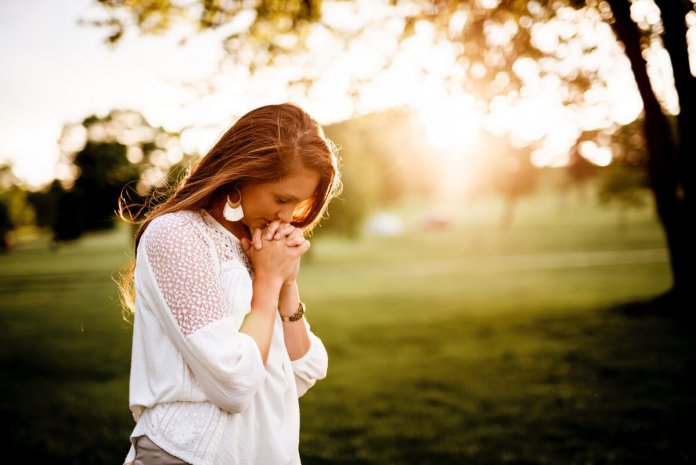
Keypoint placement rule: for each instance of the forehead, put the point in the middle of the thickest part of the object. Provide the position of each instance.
(299, 184)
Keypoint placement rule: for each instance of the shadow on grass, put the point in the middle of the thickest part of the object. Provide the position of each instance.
(668, 305)
(583, 387)
(636, 361)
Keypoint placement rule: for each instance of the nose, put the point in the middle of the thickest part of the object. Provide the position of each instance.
(285, 215)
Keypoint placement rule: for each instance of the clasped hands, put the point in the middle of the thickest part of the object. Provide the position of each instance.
(275, 251)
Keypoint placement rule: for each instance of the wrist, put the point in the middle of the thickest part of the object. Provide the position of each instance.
(266, 291)
(288, 297)
(268, 281)
(299, 313)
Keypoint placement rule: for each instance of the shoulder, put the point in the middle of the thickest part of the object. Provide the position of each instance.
(170, 222)
(174, 228)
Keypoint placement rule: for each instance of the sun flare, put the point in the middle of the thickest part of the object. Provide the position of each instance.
(452, 125)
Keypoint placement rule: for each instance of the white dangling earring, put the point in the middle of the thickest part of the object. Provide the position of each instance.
(233, 211)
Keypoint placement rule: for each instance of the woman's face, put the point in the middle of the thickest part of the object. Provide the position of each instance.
(263, 203)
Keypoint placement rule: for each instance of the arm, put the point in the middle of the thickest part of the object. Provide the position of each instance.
(306, 351)
(297, 340)
(176, 280)
(274, 264)
(259, 322)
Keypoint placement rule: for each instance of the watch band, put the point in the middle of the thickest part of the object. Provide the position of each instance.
(297, 315)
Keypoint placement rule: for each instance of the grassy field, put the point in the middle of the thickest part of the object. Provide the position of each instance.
(470, 345)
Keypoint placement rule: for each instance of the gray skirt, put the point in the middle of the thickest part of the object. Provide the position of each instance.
(149, 453)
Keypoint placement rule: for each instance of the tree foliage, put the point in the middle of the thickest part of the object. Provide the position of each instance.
(105, 156)
(271, 28)
(14, 198)
(271, 17)
(499, 48)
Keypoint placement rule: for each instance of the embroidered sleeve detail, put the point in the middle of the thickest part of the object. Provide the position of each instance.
(182, 264)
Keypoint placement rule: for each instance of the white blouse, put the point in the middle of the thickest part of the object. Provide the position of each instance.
(198, 387)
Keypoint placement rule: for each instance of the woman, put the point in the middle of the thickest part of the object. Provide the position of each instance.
(221, 347)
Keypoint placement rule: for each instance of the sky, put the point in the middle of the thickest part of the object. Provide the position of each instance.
(56, 71)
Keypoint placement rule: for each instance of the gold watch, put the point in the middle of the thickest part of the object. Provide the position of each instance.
(297, 315)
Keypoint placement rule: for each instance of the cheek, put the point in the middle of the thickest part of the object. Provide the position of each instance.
(269, 206)
(261, 207)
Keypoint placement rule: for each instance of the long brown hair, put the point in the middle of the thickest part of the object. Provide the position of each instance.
(262, 146)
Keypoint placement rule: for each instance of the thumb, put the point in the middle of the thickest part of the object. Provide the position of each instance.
(256, 238)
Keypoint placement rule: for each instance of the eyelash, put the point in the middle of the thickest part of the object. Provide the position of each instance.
(281, 201)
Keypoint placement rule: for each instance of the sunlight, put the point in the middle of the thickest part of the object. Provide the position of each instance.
(599, 155)
(452, 125)
(375, 71)
(691, 39)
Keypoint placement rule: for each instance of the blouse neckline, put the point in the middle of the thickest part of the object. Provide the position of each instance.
(210, 219)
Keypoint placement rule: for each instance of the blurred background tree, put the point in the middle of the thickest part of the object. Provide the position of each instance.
(623, 183)
(670, 148)
(499, 33)
(5, 227)
(494, 41)
(105, 157)
(384, 160)
(13, 196)
(507, 170)
(580, 171)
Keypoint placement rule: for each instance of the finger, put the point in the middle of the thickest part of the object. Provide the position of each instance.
(304, 247)
(295, 241)
(284, 231)
(296, 238)
(256, 239)
(246, 244)
(271, 229)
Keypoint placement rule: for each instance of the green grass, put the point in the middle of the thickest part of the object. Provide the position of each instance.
(467, 345)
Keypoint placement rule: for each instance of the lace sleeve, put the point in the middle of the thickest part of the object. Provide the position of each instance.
(182, 264)
(176, 280)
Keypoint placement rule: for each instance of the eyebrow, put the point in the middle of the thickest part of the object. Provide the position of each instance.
(288, 196)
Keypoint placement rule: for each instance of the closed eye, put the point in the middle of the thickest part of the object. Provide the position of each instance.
(282, 201)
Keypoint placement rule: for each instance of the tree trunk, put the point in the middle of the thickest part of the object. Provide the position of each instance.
(673, 14)
(662, 166)
(674, 18)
